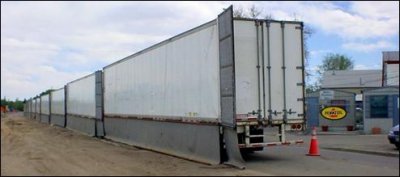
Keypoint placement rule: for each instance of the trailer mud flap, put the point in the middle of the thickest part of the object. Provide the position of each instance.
(227, 88)
(234, 157)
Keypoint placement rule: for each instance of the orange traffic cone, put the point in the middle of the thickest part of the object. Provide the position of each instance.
(314, 150)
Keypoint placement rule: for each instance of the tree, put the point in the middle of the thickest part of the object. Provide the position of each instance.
(252, 12)
(332, 61)
(4, 101)
(238, 12)
(46, 92)
(17, 104)
(335, 61)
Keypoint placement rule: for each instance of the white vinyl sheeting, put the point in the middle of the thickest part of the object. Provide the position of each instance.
(81, 97)
(57, 102)
(178, 79)
(45, 104)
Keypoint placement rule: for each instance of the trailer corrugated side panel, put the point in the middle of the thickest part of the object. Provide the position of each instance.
(37, 105)
(31, 108)
(34, 106)
(58, 102)
(28, 104)
(81, 97)
(177, 79)
(38, 109)
(166, 97)
(45, 105)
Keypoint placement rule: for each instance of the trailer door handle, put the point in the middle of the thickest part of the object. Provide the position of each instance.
(291, 112)
(276, 113)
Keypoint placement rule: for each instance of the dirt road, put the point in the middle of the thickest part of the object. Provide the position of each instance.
(32, 148)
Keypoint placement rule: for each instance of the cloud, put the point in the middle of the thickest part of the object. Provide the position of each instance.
(46, 44)
(319, 53)
(377, 10)
(363, 20)
(367, 47)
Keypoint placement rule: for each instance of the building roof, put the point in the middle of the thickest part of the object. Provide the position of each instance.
(352, 79)
(390, 56)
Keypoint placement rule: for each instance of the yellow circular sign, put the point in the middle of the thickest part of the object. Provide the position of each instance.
(333, 113)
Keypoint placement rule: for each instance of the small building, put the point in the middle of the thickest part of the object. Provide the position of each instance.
(329, 100)
(381, 109)
(354, 81)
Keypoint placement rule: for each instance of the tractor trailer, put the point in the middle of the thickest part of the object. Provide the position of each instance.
(239, 76)
(207, 94)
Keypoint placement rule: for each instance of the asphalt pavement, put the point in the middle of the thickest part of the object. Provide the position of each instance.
(293, 161)
(350, 141)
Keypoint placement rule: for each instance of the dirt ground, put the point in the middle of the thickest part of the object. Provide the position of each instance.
(32, 148)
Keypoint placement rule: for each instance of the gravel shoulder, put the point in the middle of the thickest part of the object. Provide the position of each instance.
(32, 148)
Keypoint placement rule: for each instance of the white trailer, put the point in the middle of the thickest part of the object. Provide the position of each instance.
(228, 79)
(269, 79)
(37, 108)
(45, 108)
(83, 99)
(57, 111)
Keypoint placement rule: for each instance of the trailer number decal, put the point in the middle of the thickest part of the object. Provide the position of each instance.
(333, 113)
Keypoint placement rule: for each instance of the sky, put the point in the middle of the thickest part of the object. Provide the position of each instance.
(45, 45)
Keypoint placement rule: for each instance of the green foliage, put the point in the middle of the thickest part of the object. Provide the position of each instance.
(4, 102)
(46, 92)
(312, 87)
(17, 104)
(334, 61)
